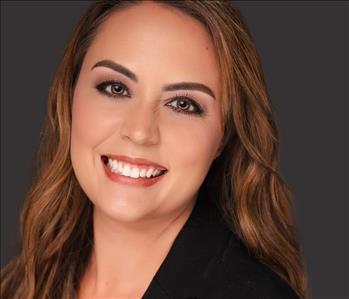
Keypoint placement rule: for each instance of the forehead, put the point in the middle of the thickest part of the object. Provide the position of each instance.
(157, 41)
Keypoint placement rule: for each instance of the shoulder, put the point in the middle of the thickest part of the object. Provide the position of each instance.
(237, 274)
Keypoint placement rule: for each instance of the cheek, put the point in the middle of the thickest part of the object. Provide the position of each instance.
(194, 139)
(84, 123)
(92, 120)
(194, 144)
(191, 146)
(92, 124)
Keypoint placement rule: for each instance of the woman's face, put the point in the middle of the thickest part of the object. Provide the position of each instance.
(138, 116)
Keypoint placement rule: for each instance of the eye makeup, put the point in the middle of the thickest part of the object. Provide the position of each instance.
(110, 88)
(103, 88)
(186, 99)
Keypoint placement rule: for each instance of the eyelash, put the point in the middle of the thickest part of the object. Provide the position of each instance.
(185, 97)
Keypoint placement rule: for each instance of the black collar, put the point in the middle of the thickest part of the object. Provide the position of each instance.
(195, 250)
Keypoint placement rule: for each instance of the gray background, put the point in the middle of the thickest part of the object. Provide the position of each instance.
(303, 46)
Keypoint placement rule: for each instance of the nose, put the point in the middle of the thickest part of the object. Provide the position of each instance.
(140, 125)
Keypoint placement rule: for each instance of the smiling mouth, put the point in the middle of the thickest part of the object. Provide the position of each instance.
(131, 170)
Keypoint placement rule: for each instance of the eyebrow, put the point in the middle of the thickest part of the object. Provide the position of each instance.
(169, 87)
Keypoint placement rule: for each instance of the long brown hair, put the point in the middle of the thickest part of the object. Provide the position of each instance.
(56, 218)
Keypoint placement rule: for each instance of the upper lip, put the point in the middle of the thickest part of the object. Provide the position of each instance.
(136, 161)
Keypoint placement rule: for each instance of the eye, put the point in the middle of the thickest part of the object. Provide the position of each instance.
(113, 89)
(186, 105)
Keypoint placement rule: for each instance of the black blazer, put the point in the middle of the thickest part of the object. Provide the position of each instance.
(208, 261)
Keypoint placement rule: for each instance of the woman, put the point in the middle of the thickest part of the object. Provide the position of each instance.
(158, 171)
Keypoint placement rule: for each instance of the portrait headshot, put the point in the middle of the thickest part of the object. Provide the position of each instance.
(164, 162)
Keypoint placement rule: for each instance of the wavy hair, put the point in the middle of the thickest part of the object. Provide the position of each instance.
(56, 217)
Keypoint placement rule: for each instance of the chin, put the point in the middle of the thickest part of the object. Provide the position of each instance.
(124, 209)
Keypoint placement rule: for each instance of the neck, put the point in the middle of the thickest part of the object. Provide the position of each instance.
(126, 256)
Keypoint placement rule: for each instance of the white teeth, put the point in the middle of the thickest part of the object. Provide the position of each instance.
(149, 172)
(143, 173)
(120, 168)
(134, 172)
(114, 165)
(127, 170)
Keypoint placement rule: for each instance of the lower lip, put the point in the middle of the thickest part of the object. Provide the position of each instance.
(142, 182)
